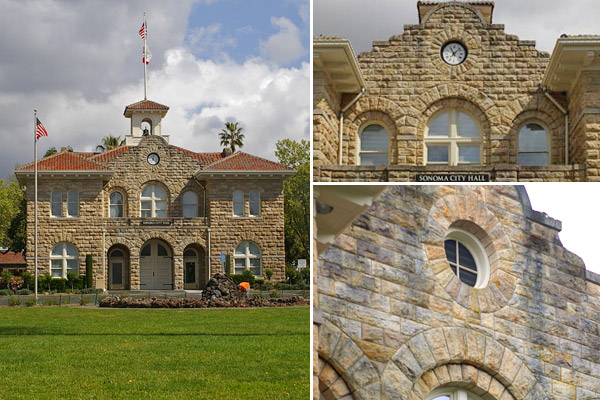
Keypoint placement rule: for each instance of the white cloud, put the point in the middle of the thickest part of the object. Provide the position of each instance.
(210, 41)
(284, 46)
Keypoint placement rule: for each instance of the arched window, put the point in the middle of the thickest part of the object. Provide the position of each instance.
(153, 202)
(190, 204)
(533, 145)
(146, 127)
(374, 143)
(64, 258)
(238, 203)
(254, 197)
(247, 256)
(452, 394)
(116, 205)
(72, 203)
(56, 203)
(452, 137)
(467, 258)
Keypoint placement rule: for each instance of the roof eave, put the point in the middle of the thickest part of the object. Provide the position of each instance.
(570, 56)
(21, 174)
(241, 173)
(344, 45)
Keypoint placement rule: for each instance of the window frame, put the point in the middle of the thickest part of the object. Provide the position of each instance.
(477, 250)
(452, 141)
(111, 204)
(64, 257)
(70, 202)
(257, 202)
(153, 200)
(239, 202)
(53, 203)
(247, 256)
(361, 151)
(453, 393)
(548, 151)
(183, 203)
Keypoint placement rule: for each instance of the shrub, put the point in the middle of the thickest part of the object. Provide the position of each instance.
(84, 301)
(44, 282)
(58, 284)
(237, 278)
(50, 302)
(90, 291)
(291, 275)
(28, 279)
(5, 278)
(287, 286)
(248, 277)
(24, 292)
(305, 274)
(6, 292)
(30, 302)
(75, 281)
(268, 286)
(274, 294)
(88, 271)
(14, 301)
(269, 273)
(15, 283)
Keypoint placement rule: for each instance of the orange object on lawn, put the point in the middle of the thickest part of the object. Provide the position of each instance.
(244, 286)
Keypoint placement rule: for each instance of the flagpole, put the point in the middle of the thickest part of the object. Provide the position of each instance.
(35, 249)
(145, 55)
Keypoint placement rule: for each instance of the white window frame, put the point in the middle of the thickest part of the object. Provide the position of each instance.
(256, 202)
(453, 393)
(153, 199)
(53, 202)
(71, 202)
(548, 147)
(239, 202)
(247, 256)
(64, 257)
(361, 151)
(187, 194)
(111, 204)
(478, 252)
(453, 141)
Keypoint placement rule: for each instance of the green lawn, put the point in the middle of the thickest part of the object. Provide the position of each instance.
(79, 353)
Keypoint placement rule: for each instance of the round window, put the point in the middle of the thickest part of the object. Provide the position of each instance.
(467, 258)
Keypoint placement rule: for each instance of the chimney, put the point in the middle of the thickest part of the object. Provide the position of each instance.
(63, 149)
(226, 152)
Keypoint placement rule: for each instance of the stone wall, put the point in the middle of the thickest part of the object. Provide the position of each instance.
(397, 323)
(325, 121)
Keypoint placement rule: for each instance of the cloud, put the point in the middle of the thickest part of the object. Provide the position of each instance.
(285, 46)
(210, 42)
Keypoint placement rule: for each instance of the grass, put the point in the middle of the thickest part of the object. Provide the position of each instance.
(78, 353)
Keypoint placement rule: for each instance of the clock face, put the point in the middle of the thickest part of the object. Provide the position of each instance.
(454, 53)
(153, 158)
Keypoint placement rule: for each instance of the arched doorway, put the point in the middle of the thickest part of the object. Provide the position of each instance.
(118, 268)
(156, 266)
(194, 271)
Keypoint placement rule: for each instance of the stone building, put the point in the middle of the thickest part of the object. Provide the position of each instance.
(154, 215)
(450, 292)
(456, 98)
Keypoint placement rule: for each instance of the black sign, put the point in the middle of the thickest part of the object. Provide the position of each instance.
(156, 223)
(453, 178)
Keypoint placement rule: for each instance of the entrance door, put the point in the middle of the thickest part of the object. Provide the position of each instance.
(156, 270)
(116, 265)
(190, 272)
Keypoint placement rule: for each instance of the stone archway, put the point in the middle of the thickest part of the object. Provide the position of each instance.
(118, 267)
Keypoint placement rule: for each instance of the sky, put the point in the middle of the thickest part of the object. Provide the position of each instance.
(540, 20)
(576, 205)
(213, 61)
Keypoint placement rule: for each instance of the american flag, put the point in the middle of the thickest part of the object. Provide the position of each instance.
(40, 130)
(144, 31)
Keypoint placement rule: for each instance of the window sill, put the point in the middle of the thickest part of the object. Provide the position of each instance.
(253, 217)
(64, 218)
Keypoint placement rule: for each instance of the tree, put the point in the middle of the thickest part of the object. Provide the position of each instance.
(12, 215)
(232, 136)
(50, 151)
(296, 192)
(110, 142)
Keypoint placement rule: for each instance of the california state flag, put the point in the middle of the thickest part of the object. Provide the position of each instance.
(147, 57)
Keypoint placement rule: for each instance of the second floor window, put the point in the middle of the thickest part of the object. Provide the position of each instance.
(254, 203)
(190, 204)
(533, 145)
(374, 145)
(73, 203)
(116, 205)
(56, 203)
(238, 203)
(452, 138)
(153, 202)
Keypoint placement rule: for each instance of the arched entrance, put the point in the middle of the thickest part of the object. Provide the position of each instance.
(194, 271)
(118, 267)
(156, 266)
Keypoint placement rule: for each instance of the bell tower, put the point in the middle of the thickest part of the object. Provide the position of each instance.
(146, 117)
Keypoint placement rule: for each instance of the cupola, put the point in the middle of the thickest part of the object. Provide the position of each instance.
(146, 117)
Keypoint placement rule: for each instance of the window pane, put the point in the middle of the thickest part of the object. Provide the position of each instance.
(73, 266)
(56, 209)
(56, 268)
(160, 206)
(450, 247)
(146, 213)
(374, 138)
(468, 154)
(442, 398)
(437, 153)
(161, 250)
(533, 138)
(56, 203)
(254, 249)
(190, 205)
(438, 126)
(238, 203)
(160, 213)
(373, 159)
(190, 272)
(465, 259)
(159, 193)
(71, 250)
(116, 198)
(467, 126)
(240, 262)
(467, 277)
(241, 249)
(147, 192)
(72, 196)
(117, 273)
(253, 195)
(189, 253)
(57, 250)
(116, 211)
(146, 205)
(56, 196)
(145, 251)
(73, 209)
(117, 253)
(533, 159)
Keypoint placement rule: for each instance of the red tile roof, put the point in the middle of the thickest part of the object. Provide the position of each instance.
(146, 105)
(202, 158)
(12, 258)
(64, 161)
(110, 154)
(245, 162)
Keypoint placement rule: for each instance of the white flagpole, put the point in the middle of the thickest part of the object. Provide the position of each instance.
(35, 203)
(145, 55)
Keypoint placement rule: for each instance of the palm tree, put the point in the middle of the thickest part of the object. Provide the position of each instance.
(232, 136)
(110, 142)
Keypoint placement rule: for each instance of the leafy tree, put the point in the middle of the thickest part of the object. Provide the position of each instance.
(232, 136)
(296, 192)
(50, 151)
(12, 204)
(110, 142)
